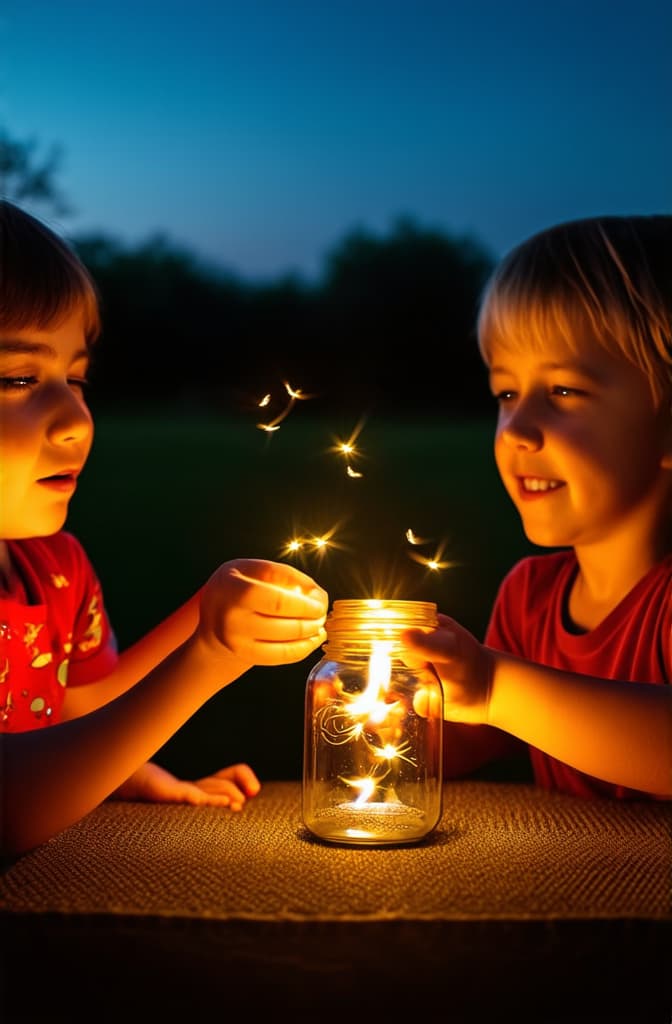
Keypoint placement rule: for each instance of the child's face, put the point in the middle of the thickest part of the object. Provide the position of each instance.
(46, 429)
(580, 444)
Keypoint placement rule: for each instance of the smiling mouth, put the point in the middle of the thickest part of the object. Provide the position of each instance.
(537, 485)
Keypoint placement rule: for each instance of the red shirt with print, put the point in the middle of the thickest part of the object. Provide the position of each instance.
(54, 631)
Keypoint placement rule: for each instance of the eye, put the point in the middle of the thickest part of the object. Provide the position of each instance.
(506, 395)
(17, 383)
(561, 391)
(78, 383)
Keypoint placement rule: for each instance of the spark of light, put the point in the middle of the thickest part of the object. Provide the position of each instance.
(366, 789)
(433, 563)
(348, 449)
(412, 538)
(295, 394)
(318, 543)
(364, 718)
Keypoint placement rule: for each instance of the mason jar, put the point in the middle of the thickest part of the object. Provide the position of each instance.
(372, 763)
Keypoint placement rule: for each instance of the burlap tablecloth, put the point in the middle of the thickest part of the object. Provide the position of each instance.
(540, 903)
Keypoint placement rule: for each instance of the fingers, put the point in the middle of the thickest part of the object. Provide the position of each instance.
(276, 589)
(265, 613)
(229, 787)
(440, 644)
(243, 622)
(428, 703)
(243, 777)
(260, 651)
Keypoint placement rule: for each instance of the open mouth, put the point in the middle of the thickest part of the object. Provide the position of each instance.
(535, 484)
(60, 481)
(537, 487)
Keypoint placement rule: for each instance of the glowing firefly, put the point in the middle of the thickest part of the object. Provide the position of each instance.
(435, 563)
(295, 394)
(349, 450)
(412, 538)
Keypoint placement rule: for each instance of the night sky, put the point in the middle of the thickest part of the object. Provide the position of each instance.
(258, 133)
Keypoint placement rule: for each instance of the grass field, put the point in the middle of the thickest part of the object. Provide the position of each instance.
(165, 499)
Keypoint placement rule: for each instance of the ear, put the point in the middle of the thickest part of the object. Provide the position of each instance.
(666, 449)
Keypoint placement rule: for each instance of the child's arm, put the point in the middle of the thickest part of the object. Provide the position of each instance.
(617, 731)
(135, 662)
(229, 787)
(250, 612)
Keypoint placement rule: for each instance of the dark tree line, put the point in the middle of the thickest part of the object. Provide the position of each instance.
(390, 322)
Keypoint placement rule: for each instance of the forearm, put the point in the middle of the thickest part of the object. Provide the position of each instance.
(617, 731)
(52, 777)
(135, 662)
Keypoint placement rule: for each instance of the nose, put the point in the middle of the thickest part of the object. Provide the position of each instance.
(520, 426)
(69, 418)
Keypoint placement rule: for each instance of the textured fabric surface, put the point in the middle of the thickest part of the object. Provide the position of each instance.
(526, 906)
(502, 851)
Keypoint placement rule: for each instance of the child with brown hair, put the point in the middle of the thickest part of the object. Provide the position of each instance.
(78, 720)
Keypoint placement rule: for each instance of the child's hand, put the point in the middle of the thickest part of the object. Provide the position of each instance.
(229, 787)
(265, 613)
(462, 664)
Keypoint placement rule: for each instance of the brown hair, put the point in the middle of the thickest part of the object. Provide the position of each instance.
(609, 276)
(42, 280)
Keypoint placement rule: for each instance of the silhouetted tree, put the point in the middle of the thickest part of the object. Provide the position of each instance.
(168, 321)
(390, 325)
(25, 178)
(400, 315)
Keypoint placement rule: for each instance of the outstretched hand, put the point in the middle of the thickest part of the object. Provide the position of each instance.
(463, 665)
(230, 787)
(264, 613)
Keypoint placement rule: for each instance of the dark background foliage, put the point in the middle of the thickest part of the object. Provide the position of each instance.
(390, 324)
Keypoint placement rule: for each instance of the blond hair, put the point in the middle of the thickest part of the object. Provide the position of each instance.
(42, 280)
(609, 276)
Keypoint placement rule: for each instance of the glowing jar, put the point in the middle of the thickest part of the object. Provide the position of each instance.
(372, 763)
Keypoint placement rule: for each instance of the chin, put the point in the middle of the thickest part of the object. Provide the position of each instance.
(544, 538)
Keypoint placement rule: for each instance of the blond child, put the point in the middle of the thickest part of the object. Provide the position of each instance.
(575, 328)
(78, 720)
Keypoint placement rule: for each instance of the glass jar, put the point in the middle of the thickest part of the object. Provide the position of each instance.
(372, 763)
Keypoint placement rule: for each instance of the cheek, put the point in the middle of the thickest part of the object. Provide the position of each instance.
(17, 438)
(501, 452)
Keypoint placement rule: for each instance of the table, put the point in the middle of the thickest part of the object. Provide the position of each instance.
(539, 905)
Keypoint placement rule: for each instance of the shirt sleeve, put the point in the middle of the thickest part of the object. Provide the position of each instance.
(504, 630)
(94, 651)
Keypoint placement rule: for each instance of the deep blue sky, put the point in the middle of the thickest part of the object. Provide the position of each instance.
(256, 133)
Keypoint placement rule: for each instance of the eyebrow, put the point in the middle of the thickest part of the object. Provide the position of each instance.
(579, 368)
(14, 346)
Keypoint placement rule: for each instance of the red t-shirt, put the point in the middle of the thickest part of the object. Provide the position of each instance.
(54, 631)
(633, 643)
